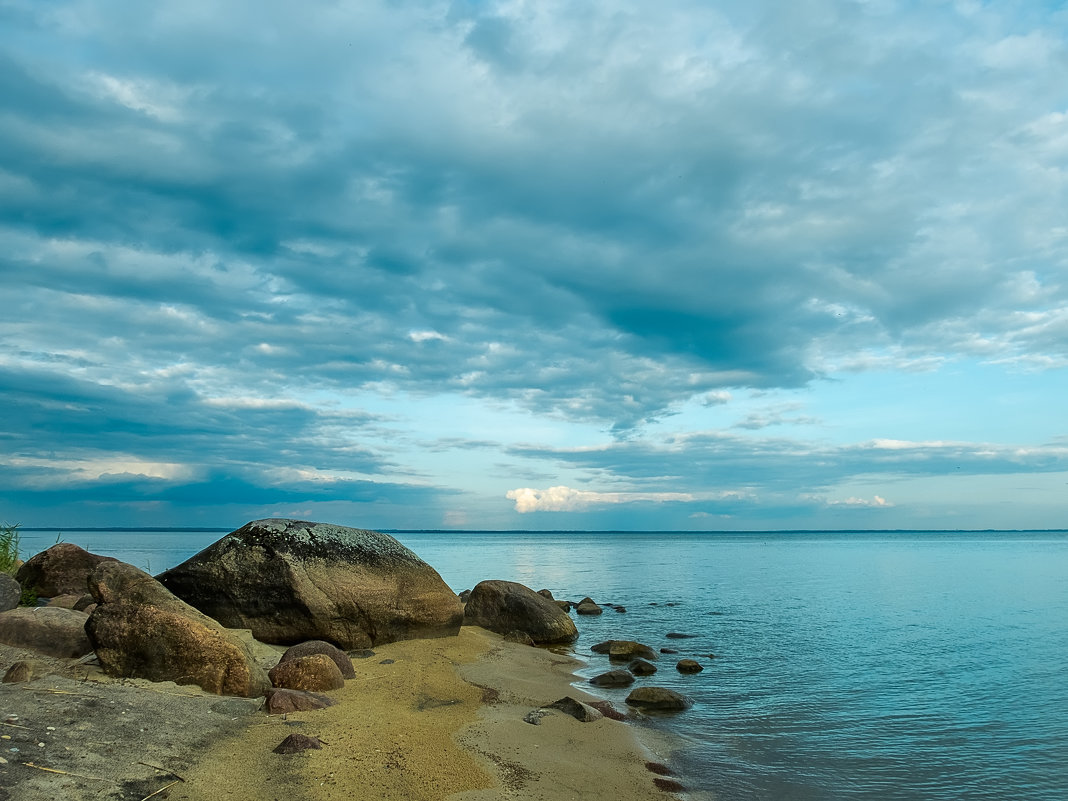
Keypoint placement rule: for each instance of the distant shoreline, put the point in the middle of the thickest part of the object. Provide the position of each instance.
(208, 529)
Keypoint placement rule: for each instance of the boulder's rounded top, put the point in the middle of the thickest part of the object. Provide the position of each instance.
(307, 539)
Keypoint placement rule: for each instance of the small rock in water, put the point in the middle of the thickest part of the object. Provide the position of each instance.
(296, 743)
(689, 666)
(613, 678)
(658, 698)
(639, 667)
(677, 635)
(669, 650)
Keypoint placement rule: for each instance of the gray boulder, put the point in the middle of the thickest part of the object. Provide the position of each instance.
(623, 650)
(505, 606)
(290, 581)
(10, 592)
(63, 569)
(140, 630)
(48, 630)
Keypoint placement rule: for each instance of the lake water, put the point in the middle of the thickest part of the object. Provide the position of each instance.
(900, 666)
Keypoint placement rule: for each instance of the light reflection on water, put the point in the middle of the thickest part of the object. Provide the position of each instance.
(849, 666)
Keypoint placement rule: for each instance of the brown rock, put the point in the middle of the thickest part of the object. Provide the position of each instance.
(518, 636)
(613, 678)
(639, 667)
(25, 670)
(584, 713)
(68, 601)
(313, 673)
(624, 650)
(61, 570)
(658, 698)
(341, 659)
(503, 606)
(296, 743)
(48, 630)
(689, 666)
(588, 607)
(290, 581)
(546, 594)
(141, 630)
(281, 701)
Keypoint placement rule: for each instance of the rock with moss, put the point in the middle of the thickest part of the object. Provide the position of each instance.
(290, 581)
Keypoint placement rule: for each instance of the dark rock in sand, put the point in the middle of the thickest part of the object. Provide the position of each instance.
(282, 701)
(689, 666)
(520, 637)
(609, 711)
(658, 698)
(639, 667)
(584, 713)
(53, 631)
(10, 592)
(290, 581)
(669, 785)
(503, 606)
(341, 659)
(62, 569)
(613, 678)
(140, 630)
(296, 743)
(659, 768)
(676, 635)
(313, 673)
(534, 716)
(25, 670)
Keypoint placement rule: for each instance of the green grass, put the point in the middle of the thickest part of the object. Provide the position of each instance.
(9, 548)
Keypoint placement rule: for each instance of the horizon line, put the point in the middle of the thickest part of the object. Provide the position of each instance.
(208, 529)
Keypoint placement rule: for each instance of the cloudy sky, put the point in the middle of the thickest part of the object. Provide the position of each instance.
(534, 264)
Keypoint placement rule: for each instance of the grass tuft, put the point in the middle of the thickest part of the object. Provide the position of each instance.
(9, 548)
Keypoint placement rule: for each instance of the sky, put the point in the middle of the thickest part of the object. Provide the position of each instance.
(534, 265)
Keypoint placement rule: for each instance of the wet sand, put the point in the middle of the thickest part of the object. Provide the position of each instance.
(423, 719)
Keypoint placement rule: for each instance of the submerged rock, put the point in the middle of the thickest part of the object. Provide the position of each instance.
(639, 667)
(613, 678)
(689, 666)
(658, 698)
(504, 606)
(291, 580)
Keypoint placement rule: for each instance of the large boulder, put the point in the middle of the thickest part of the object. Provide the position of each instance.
(311, 673)
(290, 581)
(46, 629)
(659, 699)
(506, 606)
(63, 569)
(10, 592)
(141, 630)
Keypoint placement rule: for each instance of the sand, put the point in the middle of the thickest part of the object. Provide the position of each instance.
(423, 719)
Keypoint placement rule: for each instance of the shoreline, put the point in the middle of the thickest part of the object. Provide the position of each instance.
(423, 719)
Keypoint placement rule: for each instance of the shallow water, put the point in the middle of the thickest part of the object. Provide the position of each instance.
(900, 666)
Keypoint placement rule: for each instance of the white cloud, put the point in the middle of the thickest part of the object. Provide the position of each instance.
(566, 499)
(875, 502)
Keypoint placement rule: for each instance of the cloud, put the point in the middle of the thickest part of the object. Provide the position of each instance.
(566, 499)
(876, 502)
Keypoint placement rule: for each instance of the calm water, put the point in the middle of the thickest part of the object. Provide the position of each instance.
(849, 666)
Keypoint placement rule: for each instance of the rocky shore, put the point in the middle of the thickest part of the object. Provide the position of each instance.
(425, 698)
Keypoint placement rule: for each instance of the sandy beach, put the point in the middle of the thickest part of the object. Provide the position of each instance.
(423, 719)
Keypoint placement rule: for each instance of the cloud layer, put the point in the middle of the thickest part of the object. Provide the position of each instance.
(237, 237)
